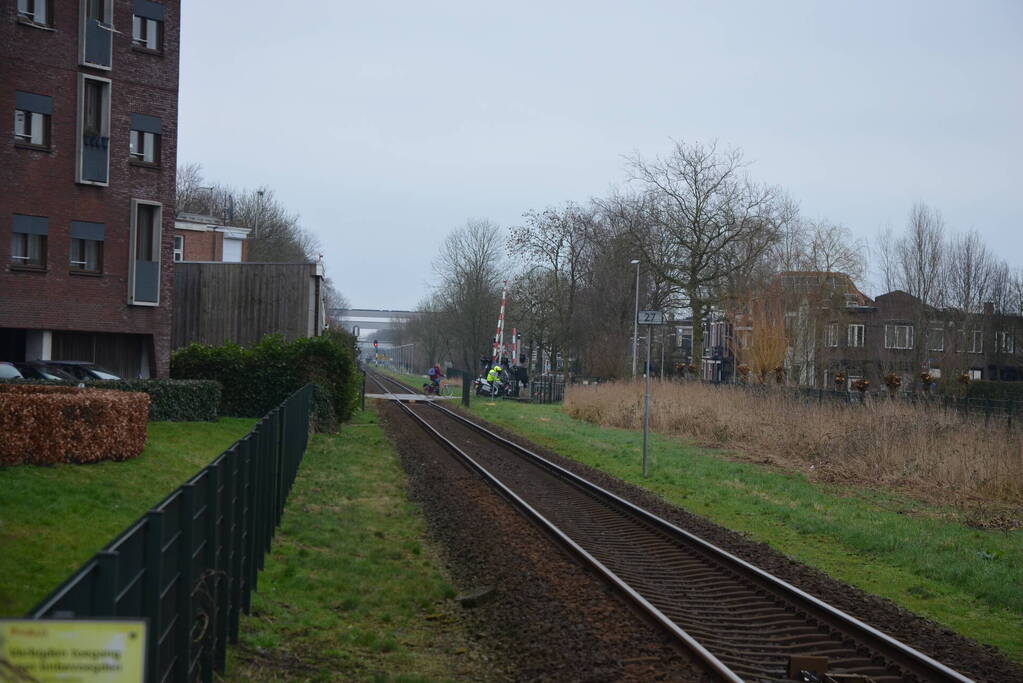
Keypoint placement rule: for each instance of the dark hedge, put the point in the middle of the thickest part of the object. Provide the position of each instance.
(1001, 391)
(170, 400)
(257, 378)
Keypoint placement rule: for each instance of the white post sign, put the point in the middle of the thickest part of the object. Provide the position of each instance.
(651, 318)
(648, 318)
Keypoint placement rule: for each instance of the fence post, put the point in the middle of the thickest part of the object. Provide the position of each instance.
(153, 590)
(466, 388)
(105, 599)
(215, 565)
(186, 579)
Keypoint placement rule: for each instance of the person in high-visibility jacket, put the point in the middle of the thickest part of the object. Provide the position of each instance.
(494, 378)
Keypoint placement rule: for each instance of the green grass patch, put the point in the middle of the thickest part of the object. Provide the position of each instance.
(920, 556)
(349, 591)
(53, 519)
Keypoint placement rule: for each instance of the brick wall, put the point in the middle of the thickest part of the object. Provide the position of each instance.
(42, 183)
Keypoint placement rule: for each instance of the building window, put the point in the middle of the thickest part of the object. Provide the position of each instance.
(976, 374)
(1004, 342)
(831, 335)
(971, 341)
(856, 335)
(179, 248)
(144, 143)
(94, 130)
(96, 39)
(28, 241)
(32, 118)
(38, 12)
(147, 25)
(936, 339)
(87, 247)
(898, 336)
(144, 275)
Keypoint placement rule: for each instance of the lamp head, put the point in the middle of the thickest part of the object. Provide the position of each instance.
(634, 261)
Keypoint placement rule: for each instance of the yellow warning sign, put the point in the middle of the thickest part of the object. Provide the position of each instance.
(84, 651)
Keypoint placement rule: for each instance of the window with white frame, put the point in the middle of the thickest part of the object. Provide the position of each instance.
(179, 248)
(976, 374)
(144, 141)
(97, 29)
(28, 241)
(1004, 342)
(147, 25)
(898, 336)
(974, 341)
(831, 335)
(856, 334)
(144, 264)
(86, 252)
(38, 12)
(94, 130)
(936, 339)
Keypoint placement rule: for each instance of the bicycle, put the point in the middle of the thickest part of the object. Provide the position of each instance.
(442, 390)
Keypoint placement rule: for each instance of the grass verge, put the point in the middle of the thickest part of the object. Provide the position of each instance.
(919, 556)
(349, 591)
(53, 519)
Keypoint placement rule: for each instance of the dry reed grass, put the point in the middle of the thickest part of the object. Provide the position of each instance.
(886, 443)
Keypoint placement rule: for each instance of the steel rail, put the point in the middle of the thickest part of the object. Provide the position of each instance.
(708, 658)
(904, 655)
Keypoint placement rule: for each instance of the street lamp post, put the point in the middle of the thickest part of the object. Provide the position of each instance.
(635, 320)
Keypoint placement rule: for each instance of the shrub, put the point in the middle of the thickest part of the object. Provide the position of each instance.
(42, 425)
(172, 400)
(1000, 391)
(256, 379)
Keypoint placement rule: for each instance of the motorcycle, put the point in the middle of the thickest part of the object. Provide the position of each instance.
(484, 388)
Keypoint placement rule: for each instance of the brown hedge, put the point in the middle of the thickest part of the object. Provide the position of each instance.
(42, 425)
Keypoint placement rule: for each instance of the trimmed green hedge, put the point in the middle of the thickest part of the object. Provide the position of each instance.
(170, 400)
(1001, 391)
(259, 377)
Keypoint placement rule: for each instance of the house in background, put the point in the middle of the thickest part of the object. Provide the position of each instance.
(205, 238)
(87, 177)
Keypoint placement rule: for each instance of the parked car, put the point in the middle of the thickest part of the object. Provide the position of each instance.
(8, 371)
(38, 369)
(81, 369)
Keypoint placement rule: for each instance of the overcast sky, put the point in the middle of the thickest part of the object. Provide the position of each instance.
(386, 125)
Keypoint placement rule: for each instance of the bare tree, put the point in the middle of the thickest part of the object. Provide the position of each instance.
(919, 255)
(554, 246)
(833, 249)
(277, 235)
(469, 268)
(702, 219)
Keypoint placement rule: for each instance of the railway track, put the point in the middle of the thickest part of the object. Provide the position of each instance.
(744, 623)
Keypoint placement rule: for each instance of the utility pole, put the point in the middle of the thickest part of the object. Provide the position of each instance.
(650, 318)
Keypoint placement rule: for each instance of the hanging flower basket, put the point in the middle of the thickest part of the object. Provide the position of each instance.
(893, 381)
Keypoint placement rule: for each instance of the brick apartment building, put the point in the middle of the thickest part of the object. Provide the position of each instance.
(831, 327)
(87, 181)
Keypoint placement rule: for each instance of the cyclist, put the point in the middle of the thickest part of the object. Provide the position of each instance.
(435, 376)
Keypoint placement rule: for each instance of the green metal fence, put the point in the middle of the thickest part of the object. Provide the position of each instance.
(190, 564)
